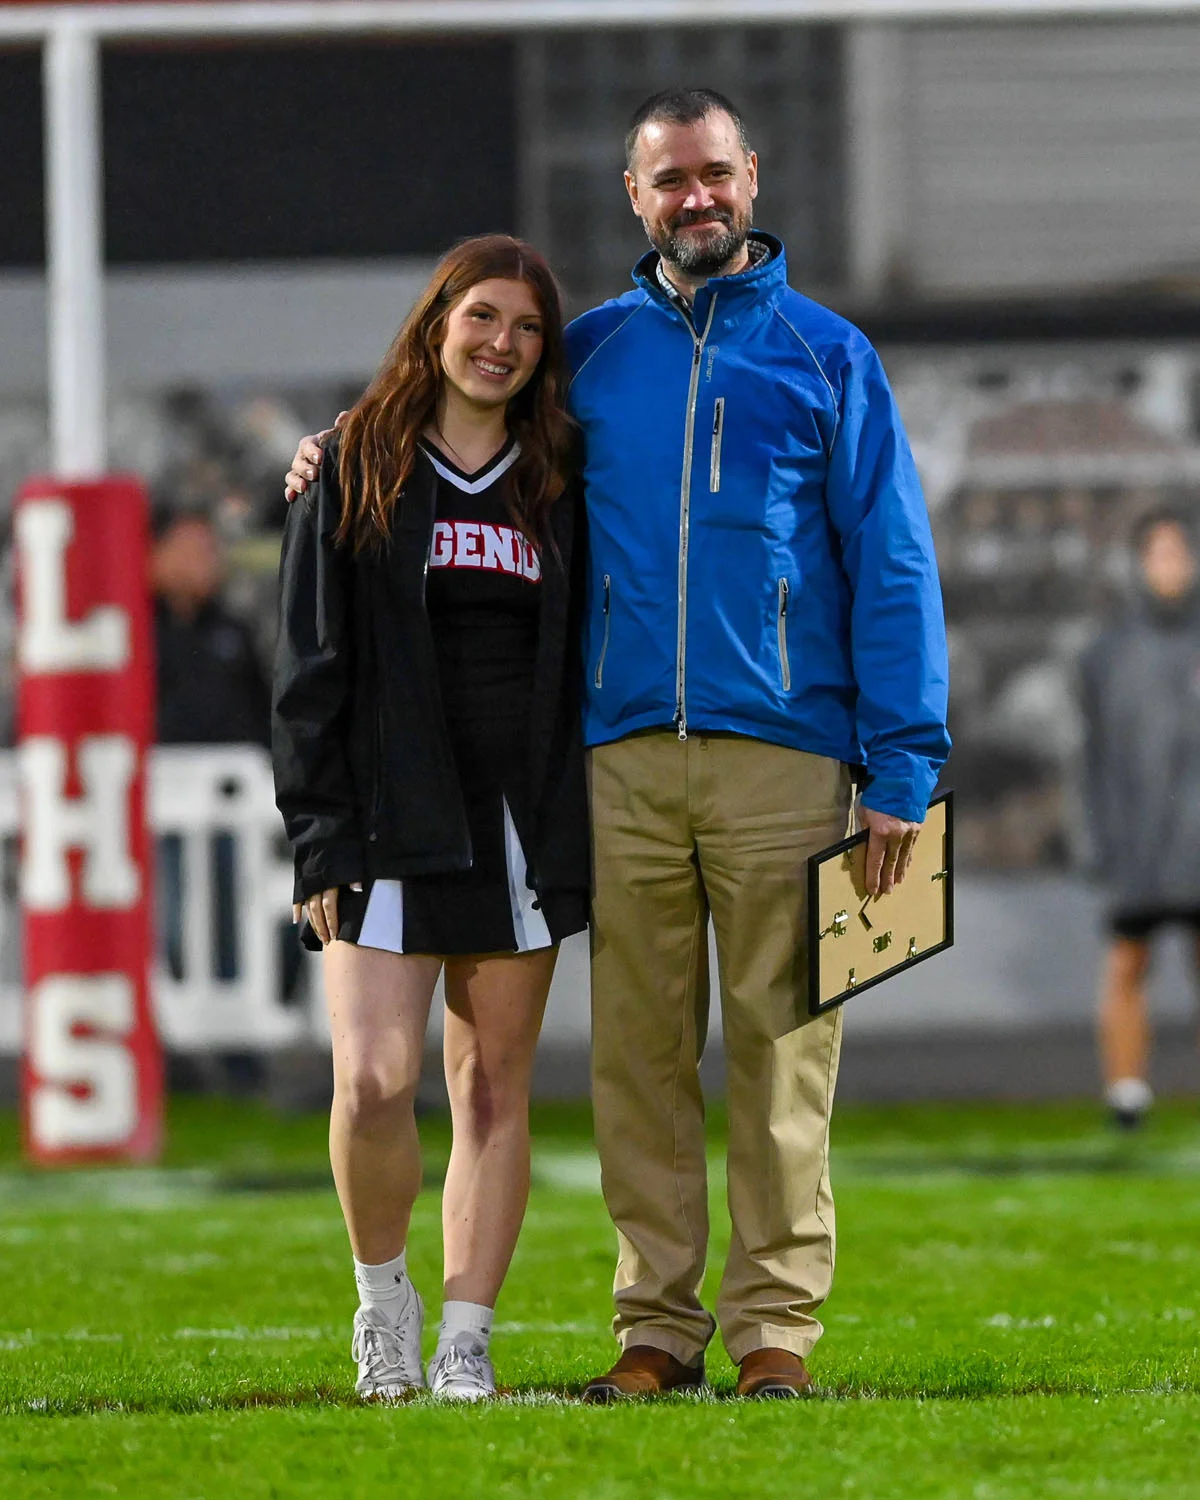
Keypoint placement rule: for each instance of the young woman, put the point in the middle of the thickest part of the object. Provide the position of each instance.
(429, 771)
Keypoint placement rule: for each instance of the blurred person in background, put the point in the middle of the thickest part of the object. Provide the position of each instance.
(429, 768)
(212, 690)
(1140, 689)
(763, 621)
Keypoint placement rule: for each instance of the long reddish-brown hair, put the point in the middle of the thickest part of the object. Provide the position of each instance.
(379, 437)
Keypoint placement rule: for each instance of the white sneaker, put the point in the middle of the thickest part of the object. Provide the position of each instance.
(1129, 1101)
(462, 1371)
(388, 1350)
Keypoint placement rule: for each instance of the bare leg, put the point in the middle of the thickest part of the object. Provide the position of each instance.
(494, 1008)
(378, 1010)
(1124, 1026)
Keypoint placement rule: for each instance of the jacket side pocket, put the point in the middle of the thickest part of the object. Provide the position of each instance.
(607, 610)
(377, 789)
(785, 666)
(714, 464)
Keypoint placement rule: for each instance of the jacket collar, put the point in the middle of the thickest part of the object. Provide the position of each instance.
(1168, 614)
(756, 284)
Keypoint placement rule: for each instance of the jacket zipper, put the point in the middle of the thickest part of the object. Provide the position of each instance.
(685, 488)
(714, 466)
(377, 799)
(599, 679)
(785, 666)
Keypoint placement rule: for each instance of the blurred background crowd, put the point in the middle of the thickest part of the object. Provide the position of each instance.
(1009, 210)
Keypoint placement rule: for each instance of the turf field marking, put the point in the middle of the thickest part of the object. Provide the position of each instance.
(240, 1335)
(28, 1338)
(149, 1187)
(567, 1171)
(254, 1335)
(184, 1265)
(1006, 1320)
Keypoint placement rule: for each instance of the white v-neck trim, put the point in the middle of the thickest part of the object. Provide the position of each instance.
(479, 482)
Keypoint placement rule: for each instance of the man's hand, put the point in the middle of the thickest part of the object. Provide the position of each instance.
(306, 465)
(889, 849)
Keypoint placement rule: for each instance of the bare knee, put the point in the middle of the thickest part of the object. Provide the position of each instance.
(487, 1099)
(374, 1099)
(1129, 962)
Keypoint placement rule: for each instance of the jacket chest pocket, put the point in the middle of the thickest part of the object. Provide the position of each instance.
(718, 432)
(606, 615)
(785, 665)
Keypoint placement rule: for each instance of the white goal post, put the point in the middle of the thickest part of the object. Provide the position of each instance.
(71, 36)
(301, 17)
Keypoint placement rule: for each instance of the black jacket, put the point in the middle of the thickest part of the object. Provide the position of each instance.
(212, 689)
(364, 774)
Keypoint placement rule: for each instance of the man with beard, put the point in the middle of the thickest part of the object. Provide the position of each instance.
(763, 628)
(764, 618)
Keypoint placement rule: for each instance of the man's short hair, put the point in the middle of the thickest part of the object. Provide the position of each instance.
(165, 516)
(1162, 515)
(681, 107)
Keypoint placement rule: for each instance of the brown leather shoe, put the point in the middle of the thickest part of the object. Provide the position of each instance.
(778, 1373)
(643, 1371)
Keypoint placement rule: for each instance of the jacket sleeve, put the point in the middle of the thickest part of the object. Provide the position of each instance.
(1097, 835)
(897, 630)
(311, 694)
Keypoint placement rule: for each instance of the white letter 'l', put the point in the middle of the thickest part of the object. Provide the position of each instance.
(49, 642)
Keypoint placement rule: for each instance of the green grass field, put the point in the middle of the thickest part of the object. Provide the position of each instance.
(1016, 1314)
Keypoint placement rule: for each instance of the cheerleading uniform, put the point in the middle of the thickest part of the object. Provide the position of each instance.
(482, 596)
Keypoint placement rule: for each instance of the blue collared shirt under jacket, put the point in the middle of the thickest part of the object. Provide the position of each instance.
(760, 554)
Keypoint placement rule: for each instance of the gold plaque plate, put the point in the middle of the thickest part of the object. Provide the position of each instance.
(855, 940)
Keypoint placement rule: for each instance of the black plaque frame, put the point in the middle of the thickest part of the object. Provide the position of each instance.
(815, 861)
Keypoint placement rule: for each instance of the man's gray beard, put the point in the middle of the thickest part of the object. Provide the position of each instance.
(702, 257)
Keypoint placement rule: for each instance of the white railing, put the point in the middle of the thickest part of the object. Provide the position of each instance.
(196, 796)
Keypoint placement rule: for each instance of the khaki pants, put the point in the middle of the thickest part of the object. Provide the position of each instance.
(720, 824)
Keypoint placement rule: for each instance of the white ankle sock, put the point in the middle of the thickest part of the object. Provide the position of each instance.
(385, 1286)
(465, 1317)
(1133, 1095)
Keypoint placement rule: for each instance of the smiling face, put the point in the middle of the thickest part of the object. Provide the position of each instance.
(693, 187)
(492, 342)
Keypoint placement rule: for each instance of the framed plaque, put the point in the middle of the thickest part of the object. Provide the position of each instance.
(856, 941)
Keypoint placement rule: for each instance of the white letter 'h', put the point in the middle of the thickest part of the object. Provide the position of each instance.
(97, 822)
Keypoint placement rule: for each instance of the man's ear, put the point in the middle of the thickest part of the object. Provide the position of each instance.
(631, 188)
(752, 163)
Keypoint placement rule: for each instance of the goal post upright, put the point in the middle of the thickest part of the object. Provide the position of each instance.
(74, 250)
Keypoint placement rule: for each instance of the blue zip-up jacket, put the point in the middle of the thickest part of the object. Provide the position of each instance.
(760, 554)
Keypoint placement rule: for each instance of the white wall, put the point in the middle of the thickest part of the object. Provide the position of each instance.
(1049, 156)
(280, 324)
